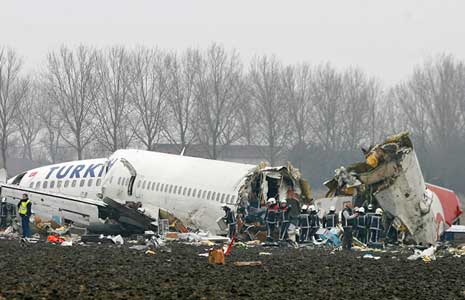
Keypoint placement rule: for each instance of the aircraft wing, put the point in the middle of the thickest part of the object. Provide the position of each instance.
(56, 206)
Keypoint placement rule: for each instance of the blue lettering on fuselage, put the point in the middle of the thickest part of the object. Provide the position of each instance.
(62, 174)
(76, 171)
(50, 172)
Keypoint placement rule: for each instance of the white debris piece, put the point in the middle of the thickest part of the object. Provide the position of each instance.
(425, 254)
(118, 240)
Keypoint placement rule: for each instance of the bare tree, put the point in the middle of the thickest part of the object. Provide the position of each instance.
(29, 124)
(182, 73)
(13, 90)
(72, 85)
(296, 81)
(112, 104)
(360, 95)
(270, 105)
(218, 99)
(52, 125)
(327, 108)
(148, 94)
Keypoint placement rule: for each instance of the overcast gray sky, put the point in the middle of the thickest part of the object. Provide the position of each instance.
(384, 38)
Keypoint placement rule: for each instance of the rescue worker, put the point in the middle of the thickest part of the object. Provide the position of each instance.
(376, 226)
(271, 218)
(330, 220)
(347, 222)
(362, 225)
(303, 223)
(355, 227)
(3, 213)
(284, 220)
(370, 213)
(314, 221)
(24, 209)
(230, 219)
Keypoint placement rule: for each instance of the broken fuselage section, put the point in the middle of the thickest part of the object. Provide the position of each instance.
(391, 178)
(263, 183)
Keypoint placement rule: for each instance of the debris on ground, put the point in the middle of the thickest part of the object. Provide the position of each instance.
(248, 263)
(216, 256)
(426, 255)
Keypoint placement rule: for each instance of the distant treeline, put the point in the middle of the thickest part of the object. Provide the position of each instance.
(86, 102)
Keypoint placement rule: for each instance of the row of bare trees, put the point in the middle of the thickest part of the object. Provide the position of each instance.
(87, 102)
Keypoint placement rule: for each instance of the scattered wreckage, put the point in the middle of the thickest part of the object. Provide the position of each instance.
(391, 178)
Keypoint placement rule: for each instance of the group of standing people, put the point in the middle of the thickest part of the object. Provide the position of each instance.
(363, 223)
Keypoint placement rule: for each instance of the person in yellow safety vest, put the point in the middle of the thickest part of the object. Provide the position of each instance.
(24, 209)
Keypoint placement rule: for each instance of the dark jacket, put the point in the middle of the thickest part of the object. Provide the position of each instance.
(330, 220)
(271, 215)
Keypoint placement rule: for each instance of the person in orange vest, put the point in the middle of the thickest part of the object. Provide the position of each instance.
(25, 211)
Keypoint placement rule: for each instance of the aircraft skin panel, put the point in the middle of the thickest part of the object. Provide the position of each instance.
(194, 189)
(49, 205)
(185, 170)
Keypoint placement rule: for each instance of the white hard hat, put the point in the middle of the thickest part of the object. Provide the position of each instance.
(332, 208)
(282, 201)
(370, 206)
(362, 210)
(311, 208)
(356, 208)
(304, 207)
(271, 201)
(379, 211)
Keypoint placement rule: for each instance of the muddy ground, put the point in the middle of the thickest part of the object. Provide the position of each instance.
(45, 271)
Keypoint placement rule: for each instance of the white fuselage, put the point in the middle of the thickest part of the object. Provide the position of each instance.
(193, 189)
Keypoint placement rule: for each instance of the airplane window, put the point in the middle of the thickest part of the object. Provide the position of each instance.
(73, 183)
(184, 192)
(138, 183)
(83, 181)
(194, 191)
(158, 185)
(227, 198)
(208, 195)
(66, 183)
(233, 198)
(222, 198)
(111, 179)
(189, 192)
(59, 184)
(148, 185)
(153, 186)
(175, 189)
(218, 197)
(213, 196)
(119, 180)
(37, 184)
(99, 181)
(44, 185)
(31, 185)
(171, 189)
(179, 190)
(204, 195)
(166, 188)
(199, 194)
(52, 184)
(161, 187)
(128, 180)
(89, 182)
(143, 184)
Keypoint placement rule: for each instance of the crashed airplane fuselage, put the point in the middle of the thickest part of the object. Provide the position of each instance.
(392, 175)
(192, 189)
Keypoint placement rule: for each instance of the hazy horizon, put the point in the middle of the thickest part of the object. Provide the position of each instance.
(386, 40)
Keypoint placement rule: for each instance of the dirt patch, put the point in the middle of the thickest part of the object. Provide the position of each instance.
(108, 272)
